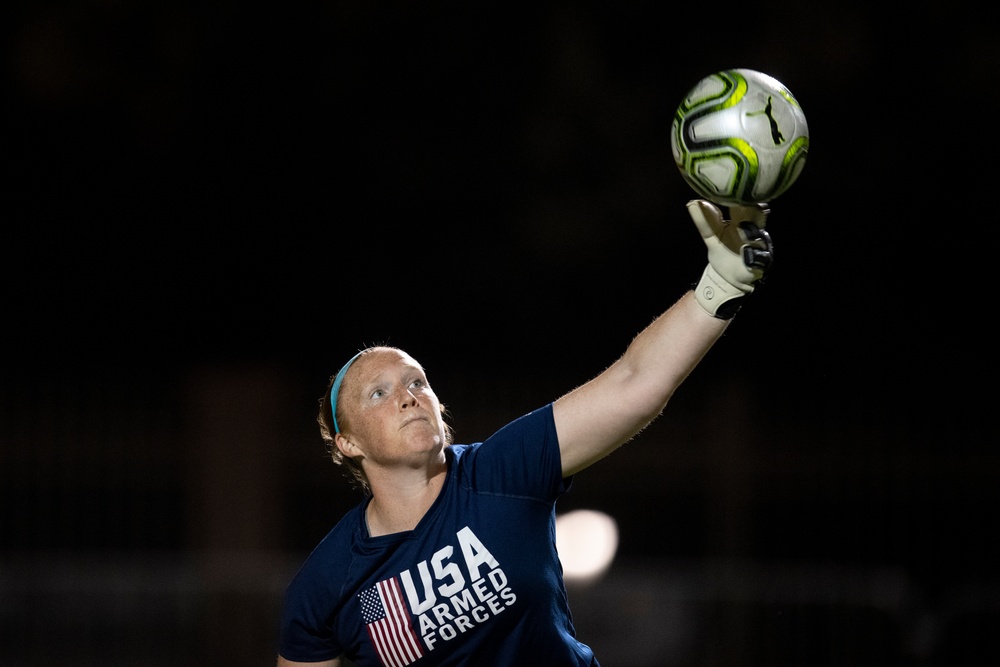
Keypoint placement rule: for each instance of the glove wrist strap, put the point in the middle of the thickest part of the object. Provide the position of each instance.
(718, 296)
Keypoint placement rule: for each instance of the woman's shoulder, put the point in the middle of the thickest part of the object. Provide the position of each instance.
(335, 545)
(532, 423)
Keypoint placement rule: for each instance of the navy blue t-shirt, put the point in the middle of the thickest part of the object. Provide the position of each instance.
(477, 582)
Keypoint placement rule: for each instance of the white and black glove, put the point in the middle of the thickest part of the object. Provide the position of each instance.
(739, 253)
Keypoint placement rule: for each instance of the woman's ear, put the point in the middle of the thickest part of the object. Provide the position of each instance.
(346, 446)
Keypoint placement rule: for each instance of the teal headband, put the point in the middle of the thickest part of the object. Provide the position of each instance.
(335, 390)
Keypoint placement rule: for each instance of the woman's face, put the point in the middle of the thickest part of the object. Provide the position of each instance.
(392, 416)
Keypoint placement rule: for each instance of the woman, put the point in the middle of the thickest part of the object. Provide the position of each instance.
(450, 559)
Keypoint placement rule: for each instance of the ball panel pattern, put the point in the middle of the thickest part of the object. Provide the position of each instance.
(739, 137)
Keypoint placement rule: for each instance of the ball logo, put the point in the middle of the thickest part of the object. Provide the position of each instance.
(775, 132)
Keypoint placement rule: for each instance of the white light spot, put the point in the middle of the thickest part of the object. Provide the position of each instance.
(587, 541)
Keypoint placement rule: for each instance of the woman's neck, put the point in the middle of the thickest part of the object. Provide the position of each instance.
(400, 507)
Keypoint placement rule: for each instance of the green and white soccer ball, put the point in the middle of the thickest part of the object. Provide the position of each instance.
(739, 138)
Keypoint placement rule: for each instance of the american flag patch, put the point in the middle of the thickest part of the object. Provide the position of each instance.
(389, 625)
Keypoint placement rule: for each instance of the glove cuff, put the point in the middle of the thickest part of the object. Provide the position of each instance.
(718, 296)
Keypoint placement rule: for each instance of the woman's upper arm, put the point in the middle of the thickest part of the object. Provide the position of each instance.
(326, 663)
(599, 416)
(591, 421)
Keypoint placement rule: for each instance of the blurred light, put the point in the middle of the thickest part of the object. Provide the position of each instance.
(587, 541)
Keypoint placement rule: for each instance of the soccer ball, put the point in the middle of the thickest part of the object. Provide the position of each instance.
(739, 138)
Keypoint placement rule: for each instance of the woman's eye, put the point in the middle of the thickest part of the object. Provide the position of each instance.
(417, 383)
(378, 393)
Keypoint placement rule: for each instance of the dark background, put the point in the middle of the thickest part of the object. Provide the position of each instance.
(210, 206)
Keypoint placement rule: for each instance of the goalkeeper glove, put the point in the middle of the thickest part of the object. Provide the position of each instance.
(739, 253)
